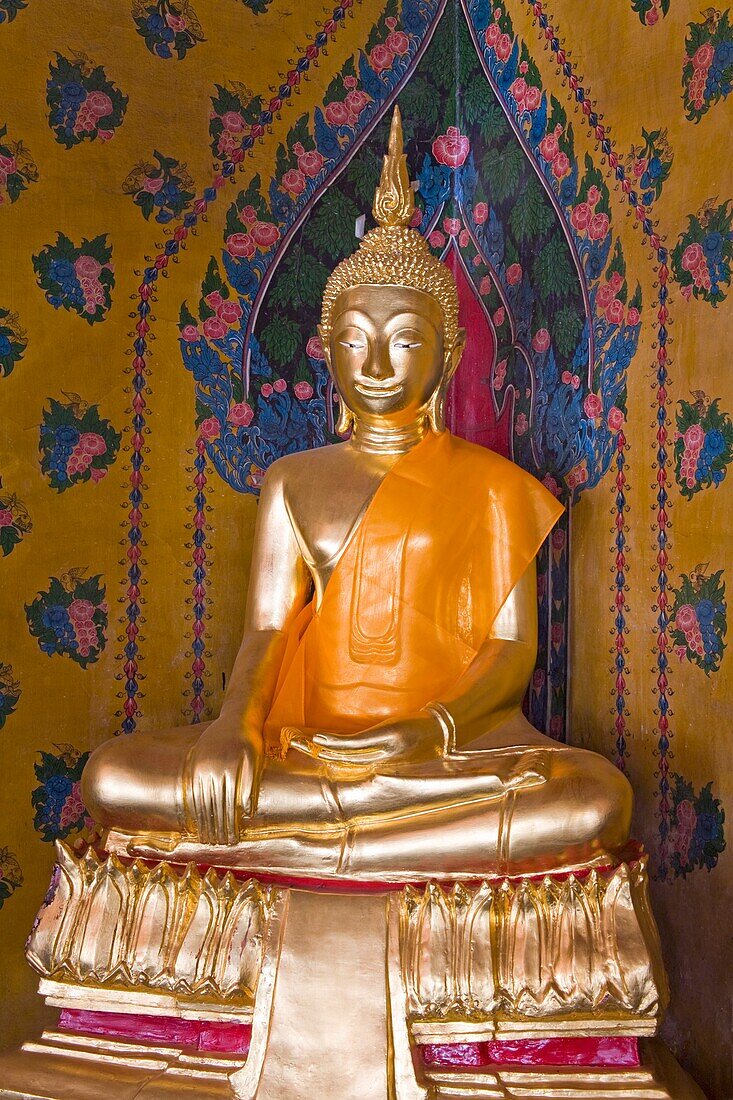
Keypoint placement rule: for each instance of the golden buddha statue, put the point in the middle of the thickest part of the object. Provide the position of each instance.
(369, 877)
(372, 727)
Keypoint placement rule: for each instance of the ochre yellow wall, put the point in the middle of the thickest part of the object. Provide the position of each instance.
(634, 73)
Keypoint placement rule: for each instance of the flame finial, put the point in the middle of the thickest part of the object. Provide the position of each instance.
(394, 202)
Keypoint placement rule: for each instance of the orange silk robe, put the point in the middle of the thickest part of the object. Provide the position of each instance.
(444, 540)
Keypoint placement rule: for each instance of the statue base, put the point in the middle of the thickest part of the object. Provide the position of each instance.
(175, 983)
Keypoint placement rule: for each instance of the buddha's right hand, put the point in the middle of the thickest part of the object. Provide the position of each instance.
(218, 782)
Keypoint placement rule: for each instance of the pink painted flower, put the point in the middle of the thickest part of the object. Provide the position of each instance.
(337, 114)
(214, 329)
(241, 414)
(532, 98)
(686, 618)
(686, 292)
(105, 135)
(310, 163)
(8, 165)
(293, 182)
(464, 238)
(190, 333)
(521, 424)
(264, 234)
(580, 217)
(229, 312)
(616, 281)
(599, 226)
(551, 485)
(503, 47)
(81, 611)
(6, 517)
(692, 257)
(493, 33)
(499, 316)
(349, 82)
(92, 443)
(436, 239)
(577, 476)
(356, 100)
(303, 391)
(96, 474)
(566, 377)
(266, 389)
(561, 166)
(594, 196)
(549, 147)
(604, 295)
(86, 267)
(681, 650)
(209, 427)
(381, 58)
(686, 814)
(247, 215)
(615, 312)
(452, 226)
(651, 17)
(98, 104)
(480, 213)
(153, 184)
(518, 88)
(398, 43)
(485, 286)
(557, 634)
(314, 348)
(541, 340)
(241, 244)
(616, 419)
(592, 406)
(694, 437)
(233, 122)
(558, 539)
(499, 374)
(451, 148)
(514, 274)
(214, 299)
(279, 385)
(703, 56)
(416, 218)
(176, 22)
(633, 317)
(538, 680)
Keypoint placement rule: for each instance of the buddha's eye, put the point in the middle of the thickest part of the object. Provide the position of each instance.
(408, 344)
(354, 344)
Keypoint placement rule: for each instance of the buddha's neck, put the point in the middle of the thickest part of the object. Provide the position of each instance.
(387, 439)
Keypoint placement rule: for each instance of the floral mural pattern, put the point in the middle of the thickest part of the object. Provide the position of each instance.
(697, 836)
(77, 277)
(169, 29)
(708, 67)
(11, 875)
(702, 257)
(57, 802)
(70, 617)
(15, 522)
(76, 443)
(161, 187)
(9, 693)
(699, 619)
(17, 168)
(84, 105)
(703, 447)
(13, 341)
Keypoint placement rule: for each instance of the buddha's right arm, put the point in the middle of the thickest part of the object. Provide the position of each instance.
(279, 588)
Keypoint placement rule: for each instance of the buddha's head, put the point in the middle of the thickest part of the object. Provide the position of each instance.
(389, 324)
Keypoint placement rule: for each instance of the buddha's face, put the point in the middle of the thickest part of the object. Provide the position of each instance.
(387, 353)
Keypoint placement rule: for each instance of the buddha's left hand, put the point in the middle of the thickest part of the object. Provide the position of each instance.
(408, 741)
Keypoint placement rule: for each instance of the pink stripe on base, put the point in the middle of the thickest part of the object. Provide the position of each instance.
(606, 1051)
(201, 1034)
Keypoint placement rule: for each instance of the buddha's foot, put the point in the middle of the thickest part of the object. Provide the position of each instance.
(180, 982)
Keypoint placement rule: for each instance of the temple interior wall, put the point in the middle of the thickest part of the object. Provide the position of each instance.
(155, 485)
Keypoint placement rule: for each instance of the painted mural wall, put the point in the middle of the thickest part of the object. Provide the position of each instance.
(167, 230)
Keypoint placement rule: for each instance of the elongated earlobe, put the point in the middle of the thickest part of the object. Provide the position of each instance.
(346, 418)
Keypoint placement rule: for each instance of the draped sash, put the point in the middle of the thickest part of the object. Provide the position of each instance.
(449, 532)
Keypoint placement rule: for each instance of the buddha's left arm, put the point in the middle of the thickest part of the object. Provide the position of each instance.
(493, 685)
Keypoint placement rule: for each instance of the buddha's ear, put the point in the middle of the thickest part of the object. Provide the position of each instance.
(455, 353)
(325, 345)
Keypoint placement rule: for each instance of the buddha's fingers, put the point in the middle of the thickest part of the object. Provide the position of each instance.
(202, 811)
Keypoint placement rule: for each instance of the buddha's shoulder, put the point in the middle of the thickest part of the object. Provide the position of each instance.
(486, 463)
(302, 467)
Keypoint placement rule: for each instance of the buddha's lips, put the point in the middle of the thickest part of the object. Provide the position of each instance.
(377, 391)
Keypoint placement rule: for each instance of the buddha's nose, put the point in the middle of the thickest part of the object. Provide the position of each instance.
(378, 365)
